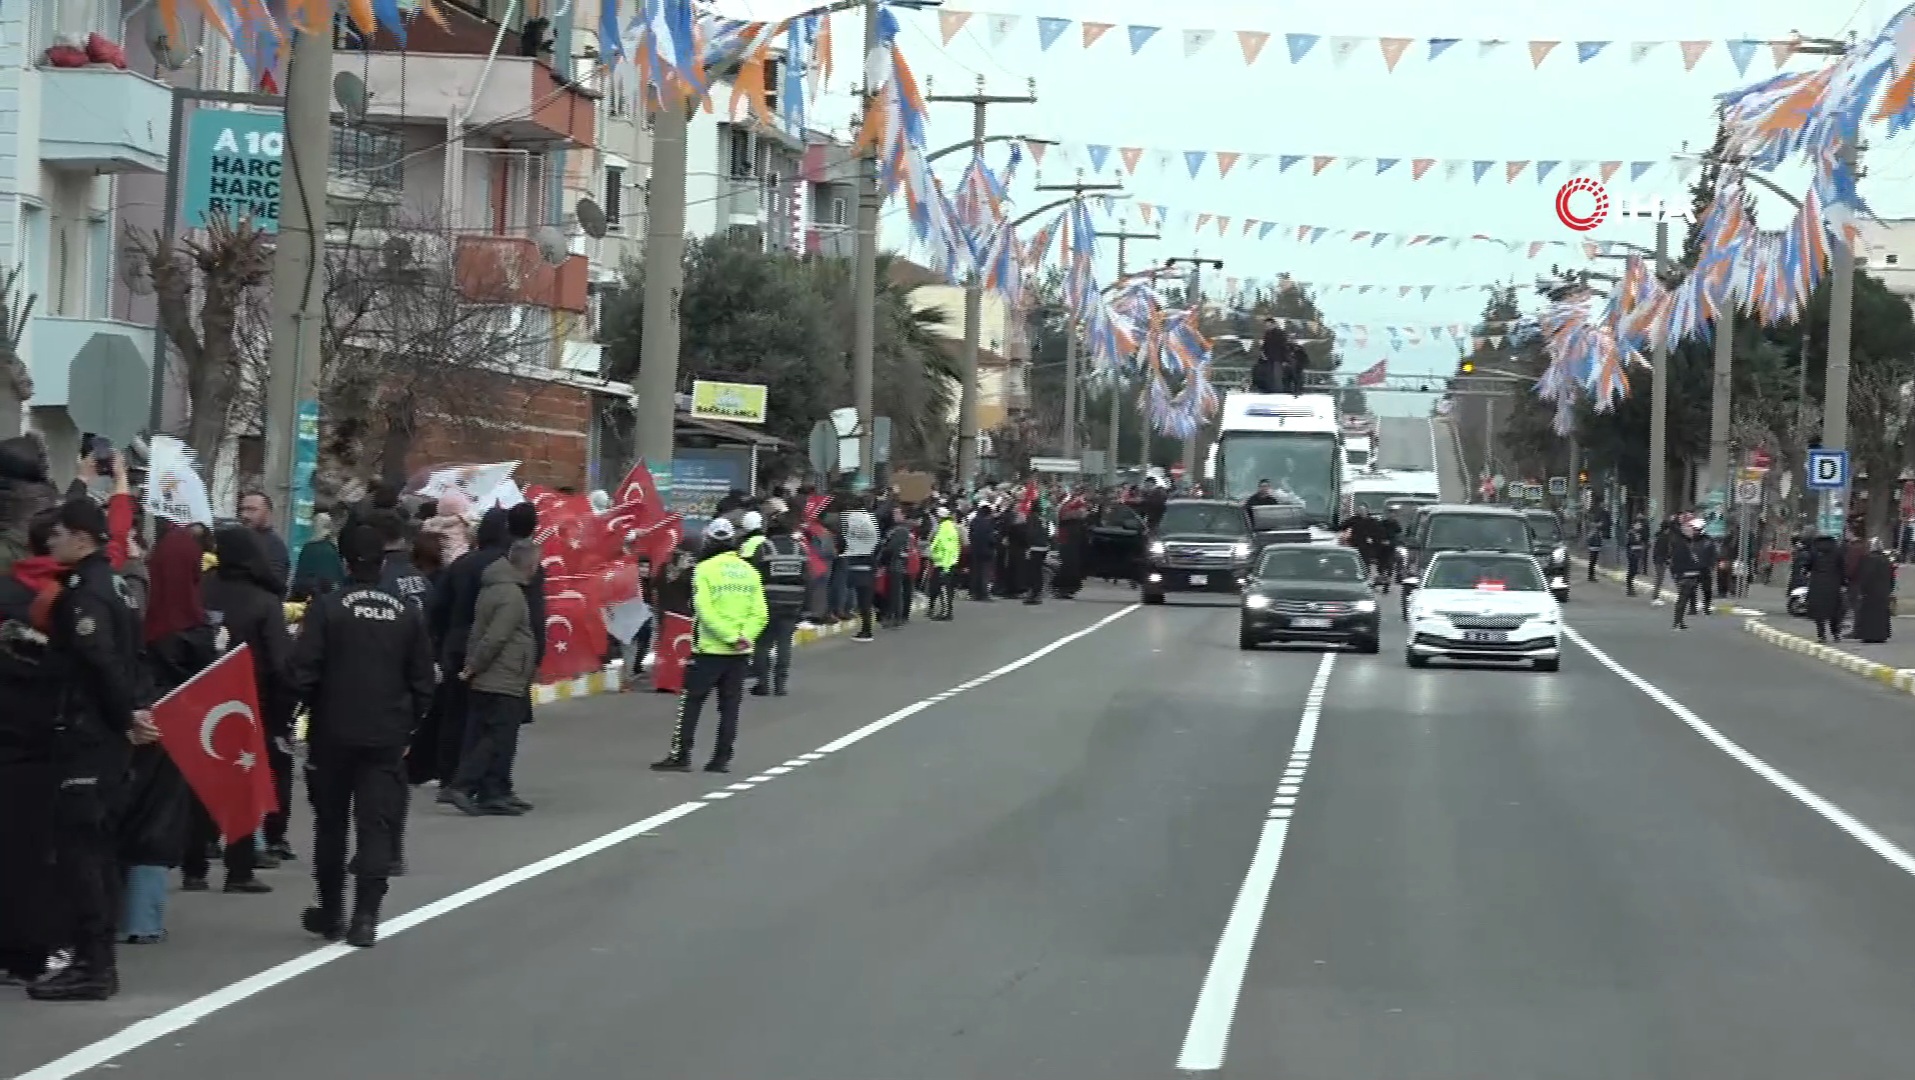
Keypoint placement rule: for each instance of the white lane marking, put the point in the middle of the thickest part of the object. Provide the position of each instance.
(1835, 815)
(759, 779)
(795, 763)
(1209, 1033)
(739, 786)
(717, 795)
(154, 1028)
(778, 770)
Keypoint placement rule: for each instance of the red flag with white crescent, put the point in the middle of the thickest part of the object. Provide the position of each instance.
(640, 488)
(575, 635)
(211, 728)
(674, 652)
(1375, 375)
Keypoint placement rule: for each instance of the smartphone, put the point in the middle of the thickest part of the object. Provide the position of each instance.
(102, 453)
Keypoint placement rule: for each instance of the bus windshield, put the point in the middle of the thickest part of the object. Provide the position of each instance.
(1301, 467)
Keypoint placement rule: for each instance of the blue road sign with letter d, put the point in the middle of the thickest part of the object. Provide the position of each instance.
(1828, 470)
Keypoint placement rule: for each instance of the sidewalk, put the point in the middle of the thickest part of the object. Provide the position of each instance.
(1891, 663)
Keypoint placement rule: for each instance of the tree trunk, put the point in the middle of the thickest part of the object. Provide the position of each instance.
(396, 444)
(10, 407)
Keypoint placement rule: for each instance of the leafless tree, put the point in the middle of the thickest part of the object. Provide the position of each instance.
(206, 283)
(16, 385)
(424, 326)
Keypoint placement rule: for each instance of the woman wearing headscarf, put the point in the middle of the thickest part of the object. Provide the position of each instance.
(242, 605)
(319, 569)
(1874, 592)
(452, 525)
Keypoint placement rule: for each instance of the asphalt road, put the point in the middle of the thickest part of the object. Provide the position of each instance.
(968, 857)
(1403, 442)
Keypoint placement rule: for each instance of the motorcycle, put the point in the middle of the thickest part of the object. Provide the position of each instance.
(1799, 601)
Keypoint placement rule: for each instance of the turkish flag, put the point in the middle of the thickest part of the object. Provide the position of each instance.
(561, 535)
(1375, 375)
(575, 636)
(640, 488)
(210, 727)
(631, 528)
(674, 649)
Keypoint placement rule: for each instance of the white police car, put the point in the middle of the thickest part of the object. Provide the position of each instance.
(1487, 606)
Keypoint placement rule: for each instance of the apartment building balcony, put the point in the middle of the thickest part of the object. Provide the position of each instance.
(510, 270)
(55, 341)
(99, 119)
(518, 100)
(743, 201)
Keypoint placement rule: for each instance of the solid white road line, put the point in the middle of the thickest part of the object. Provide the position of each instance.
(1209, 1033)
(179, 1017)
(1835, 815)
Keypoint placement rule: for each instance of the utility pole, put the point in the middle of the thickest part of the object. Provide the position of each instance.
(1196, 265)
(299, 292)
(1115, 442)
(656, 385)
(1835, 390)
(1721, 469)
(864, 274)
(1077, 190)
(1659, 395)
(974, 289)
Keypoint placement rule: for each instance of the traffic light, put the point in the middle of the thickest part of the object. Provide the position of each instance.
(1469, 367)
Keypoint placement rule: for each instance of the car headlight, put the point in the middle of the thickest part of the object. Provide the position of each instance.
(1410, 581)
(1256, 601)
(1241, 551)
(1365, 607)
(1156, 547)
(1561, 554)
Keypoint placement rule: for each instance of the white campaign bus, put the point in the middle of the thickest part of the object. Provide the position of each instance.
(1293, 441)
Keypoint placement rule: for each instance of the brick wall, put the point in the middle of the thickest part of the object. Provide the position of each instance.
(542, 425)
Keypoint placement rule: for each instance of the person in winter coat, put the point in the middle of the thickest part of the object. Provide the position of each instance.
(243, 607)
(33, 919)
(1828, 582)
(319, 569)
(501, 662)
(946, 547)
(449, 622)
(449, 522)
(1660, 547)
(24, 492)
(1267, 374)
(1707, 555)
(1874, 589)
(1686, 567)
(982, 555)
(1636, 545)
(893, 563)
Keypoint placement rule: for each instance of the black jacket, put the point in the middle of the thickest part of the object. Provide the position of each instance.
(460, 585)
(1686, 556)
(96, 629)
(403, 580)
(364, 667)
(243, 606)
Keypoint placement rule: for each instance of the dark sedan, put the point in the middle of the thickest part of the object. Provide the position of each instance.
(1309, 592)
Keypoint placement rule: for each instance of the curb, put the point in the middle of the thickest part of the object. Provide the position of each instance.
(606, 680)
(1722, 607)
(1901, 679)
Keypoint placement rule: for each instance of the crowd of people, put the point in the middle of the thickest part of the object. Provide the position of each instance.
(398, 648)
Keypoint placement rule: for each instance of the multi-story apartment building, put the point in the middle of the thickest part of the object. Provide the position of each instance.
(1003, 353)
(743, 176)
(74, 142)
(831, 196)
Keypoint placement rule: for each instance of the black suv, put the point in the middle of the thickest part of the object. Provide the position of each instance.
(1551, 551)
(1462, 527)
(1201, 545)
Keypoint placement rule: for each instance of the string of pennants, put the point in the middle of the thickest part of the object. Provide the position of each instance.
(1158, 215)
(1250, 287)
(1493, 333)
(1099, 158)
(999, 28)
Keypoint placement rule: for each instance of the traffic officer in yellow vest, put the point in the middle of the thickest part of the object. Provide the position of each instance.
(778, 554)
(945, 549)
(728, 614)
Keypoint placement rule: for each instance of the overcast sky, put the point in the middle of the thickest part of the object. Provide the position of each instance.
(1465, 104)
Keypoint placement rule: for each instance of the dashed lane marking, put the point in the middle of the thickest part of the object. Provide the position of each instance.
(1209, 1032)
(154, 1028)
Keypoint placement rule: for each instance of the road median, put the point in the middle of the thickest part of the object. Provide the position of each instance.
(1899, 679)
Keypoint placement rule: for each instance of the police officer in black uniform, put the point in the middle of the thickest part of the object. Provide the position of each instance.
(779, 557)
(363, 666)
(96, 631)
(1037, 550)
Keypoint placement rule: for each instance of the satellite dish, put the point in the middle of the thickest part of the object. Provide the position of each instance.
(350, 91)
(552, 245)
(591, 218)
(398, 252)
(165, 55)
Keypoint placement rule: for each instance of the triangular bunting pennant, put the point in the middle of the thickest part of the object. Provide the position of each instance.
(1782, 50)
(1393, 48)
(1478, 169)
(1095, 30)
(1439, 46)
(1317, 234)
(1453, 168)
(1252, 42)
(1427, 290)
(1196, 40)
(1131, 155)
(1589, 50)
(1343, 47)
(1264, 230)
(1544, 168)
(1741, 51)
(1637, 168)
(1001, 27)
(1640, 50)
(950, 22)
(1384, 165)
(1540, 50)
(1487, 46)
(1534, 247)
(1049, 29)
(1320, 163)
(1202, 220)
(1140, 36)
(1354, 162)
(1098, 156)
(1300, 45)
(1037, 151)
(1223, 225)
(1420, 166)
(1248, 224)
(1194, 159)
(1302, 231)
(1692, 52)
(1226, 159)
(1285, 161)
(1257, 159)
(1609, 169)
